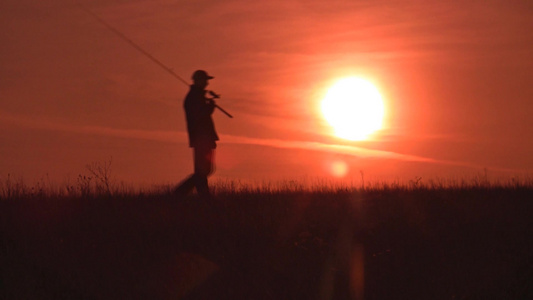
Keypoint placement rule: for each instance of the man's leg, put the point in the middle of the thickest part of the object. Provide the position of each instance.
(203, 166)
(186, 186)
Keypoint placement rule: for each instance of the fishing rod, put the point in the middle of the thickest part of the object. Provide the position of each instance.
(151, 57)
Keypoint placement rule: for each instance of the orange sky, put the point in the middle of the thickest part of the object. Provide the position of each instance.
(457, 82)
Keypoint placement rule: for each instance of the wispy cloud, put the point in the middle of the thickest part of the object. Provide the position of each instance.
(177, 136)
(318, 146)
(43, 124)
(174, 136)
(169, 136)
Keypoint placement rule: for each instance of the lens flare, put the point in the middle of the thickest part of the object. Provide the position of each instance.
(338, 168)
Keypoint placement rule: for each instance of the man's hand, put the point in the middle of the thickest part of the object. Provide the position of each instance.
(211, 104)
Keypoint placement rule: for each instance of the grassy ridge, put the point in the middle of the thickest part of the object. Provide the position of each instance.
(275, 242)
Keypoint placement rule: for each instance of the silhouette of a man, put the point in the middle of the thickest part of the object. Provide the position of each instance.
(202, 135)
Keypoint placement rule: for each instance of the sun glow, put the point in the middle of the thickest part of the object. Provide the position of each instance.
(354, 108)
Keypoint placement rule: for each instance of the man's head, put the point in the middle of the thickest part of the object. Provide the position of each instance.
(200, 78)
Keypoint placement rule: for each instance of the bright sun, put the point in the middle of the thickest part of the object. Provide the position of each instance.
(354, 108)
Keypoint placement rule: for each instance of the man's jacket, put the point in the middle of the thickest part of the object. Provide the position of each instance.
(200, 125)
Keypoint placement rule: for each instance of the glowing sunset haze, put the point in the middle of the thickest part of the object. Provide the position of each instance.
(454, 82)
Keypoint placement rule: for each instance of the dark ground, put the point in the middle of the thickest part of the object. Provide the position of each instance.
(469, 243)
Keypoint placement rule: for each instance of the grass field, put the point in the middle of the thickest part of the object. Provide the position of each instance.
(284, 241)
